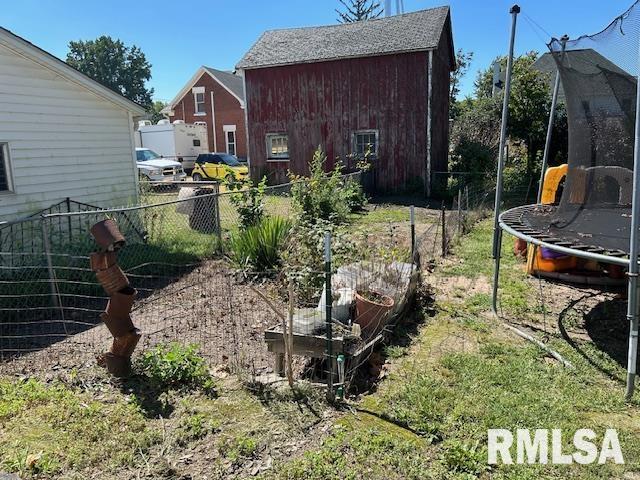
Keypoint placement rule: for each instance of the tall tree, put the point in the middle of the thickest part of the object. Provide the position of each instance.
(357, 10)
(123, 69)
(154, 111)
(463, 62)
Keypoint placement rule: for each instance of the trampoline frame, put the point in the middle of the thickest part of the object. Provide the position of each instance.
(500, 225)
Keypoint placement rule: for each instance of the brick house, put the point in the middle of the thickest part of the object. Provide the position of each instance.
(383, 83)
(216, 98)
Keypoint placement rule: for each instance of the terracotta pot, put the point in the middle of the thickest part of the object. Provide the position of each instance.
(119, 306)
(107, 235)
(112, 279)
(102, 260)
(370, 314)
(119, 326)
(117, 366)
(125, 345)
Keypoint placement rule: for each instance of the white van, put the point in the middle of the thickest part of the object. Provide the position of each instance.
(178, 141)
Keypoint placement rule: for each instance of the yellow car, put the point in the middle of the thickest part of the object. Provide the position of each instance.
(218, 166)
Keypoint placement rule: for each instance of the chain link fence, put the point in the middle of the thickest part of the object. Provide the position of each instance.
(188, 292)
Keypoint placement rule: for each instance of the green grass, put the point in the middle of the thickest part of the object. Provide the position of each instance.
(47, 429)
(466, 374)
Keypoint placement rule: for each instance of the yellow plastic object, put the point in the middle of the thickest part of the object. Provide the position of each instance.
(535, 261)
(552, 179)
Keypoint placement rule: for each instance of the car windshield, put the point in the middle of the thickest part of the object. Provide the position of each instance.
(230, 160)
(144, 155)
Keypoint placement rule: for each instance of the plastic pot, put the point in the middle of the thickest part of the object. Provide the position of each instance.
(112, 279)
(107, 235)
(125, 345)
(102, 260)
(369, 313)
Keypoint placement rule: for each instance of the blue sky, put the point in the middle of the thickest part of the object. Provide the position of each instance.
(179, 36)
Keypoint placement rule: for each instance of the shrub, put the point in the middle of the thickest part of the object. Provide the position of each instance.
(304, 254)
(176, 366)
(258, 247)
(248, 200)
(354, 195)
(320, 196)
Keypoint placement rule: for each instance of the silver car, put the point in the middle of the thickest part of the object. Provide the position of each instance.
(154, 168)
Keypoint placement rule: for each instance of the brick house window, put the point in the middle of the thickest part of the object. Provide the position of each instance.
(364, 140)
(199, 98)
(277, 146)
(230, 138)
(5, 177)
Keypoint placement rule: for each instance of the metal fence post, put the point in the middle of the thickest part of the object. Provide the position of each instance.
(459, 224)
(328, 303)
(55, 298)
(217, 213)
(444, 230)
(412, 220)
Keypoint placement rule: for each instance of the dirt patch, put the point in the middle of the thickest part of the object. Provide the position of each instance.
(210, 306)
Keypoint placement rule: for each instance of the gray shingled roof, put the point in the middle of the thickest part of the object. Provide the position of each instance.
(230, 80)
(417, 31)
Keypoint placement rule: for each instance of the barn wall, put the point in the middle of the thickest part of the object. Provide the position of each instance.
(324, 103)
(227, 112)
(440, 107)
(63, 141)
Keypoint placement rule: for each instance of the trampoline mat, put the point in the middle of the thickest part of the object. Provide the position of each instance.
(603, 230)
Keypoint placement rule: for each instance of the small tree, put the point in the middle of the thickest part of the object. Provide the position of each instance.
(123, 69)
(154, 111)
(357, 10)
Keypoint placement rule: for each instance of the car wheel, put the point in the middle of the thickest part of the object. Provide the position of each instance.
(230, 178)
(197, 177)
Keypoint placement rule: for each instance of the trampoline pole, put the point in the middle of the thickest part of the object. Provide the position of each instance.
(632, 305)
(552, 115)
(497, 237)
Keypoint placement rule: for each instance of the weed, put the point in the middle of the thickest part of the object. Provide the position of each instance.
(395, 351)
(238, 447)
(174, 366)
(194, 427)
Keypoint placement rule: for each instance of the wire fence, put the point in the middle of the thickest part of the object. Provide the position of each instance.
(257, 325)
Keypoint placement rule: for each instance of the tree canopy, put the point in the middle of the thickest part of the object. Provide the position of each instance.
(357, 10)
(476, 127)
(123, 69)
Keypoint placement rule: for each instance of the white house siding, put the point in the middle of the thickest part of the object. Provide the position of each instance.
(64, 141)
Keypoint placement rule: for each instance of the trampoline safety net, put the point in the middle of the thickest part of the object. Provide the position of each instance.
(598, 75)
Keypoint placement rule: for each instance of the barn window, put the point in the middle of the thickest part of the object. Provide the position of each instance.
(365, 141)
(5, 177)
(277, 146)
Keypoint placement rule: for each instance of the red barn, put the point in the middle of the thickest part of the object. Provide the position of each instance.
(216, 98)
(380, 84)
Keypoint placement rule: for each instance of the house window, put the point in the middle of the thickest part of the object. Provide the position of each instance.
(199, 98)
(5, 176)
(365, 141)
(230, 138)
(196, 142)
(277, 146)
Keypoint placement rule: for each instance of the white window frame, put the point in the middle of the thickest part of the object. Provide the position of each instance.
(230, 129)
(5, 163)
(278, 157)
(199, 91)
(354, 142)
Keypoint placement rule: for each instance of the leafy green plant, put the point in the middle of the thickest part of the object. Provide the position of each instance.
(259, 247)
(236, 448)
(248, 200)
(354, 195)
(176, 366)
(320, 196)
(467, 459)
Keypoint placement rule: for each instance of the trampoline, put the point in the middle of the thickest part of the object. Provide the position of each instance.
(598, 214)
